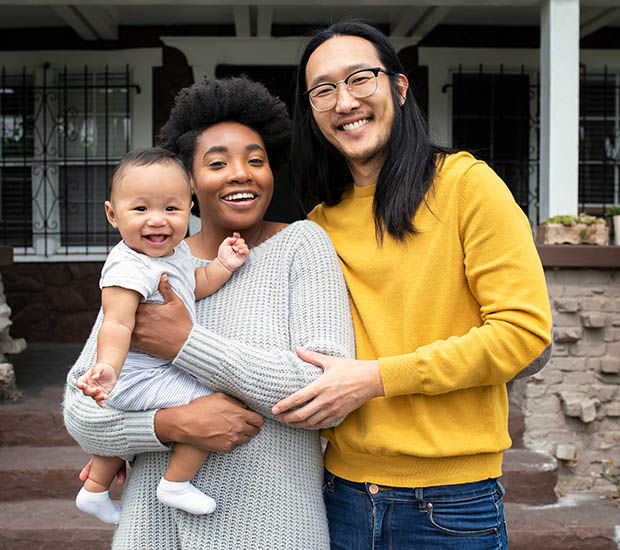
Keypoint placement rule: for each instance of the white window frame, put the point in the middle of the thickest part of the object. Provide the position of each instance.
(141, 62)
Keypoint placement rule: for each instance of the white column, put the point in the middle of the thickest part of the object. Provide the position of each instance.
(559, 107)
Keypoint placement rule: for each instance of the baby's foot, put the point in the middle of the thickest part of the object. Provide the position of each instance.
(183, 495)
(99, 505)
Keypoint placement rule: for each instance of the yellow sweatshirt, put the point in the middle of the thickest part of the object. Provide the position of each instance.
(452, 313)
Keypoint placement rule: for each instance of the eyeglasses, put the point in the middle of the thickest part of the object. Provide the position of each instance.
(361, 83)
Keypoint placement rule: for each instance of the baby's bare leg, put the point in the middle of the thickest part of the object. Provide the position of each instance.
(103, 470)
(185, 462)
(94, 498)
(175, 488)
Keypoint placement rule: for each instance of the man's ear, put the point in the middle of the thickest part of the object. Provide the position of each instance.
(192, 184)
(110, 214)
(403, 85)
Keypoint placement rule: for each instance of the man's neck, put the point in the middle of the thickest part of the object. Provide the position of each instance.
(365, 174)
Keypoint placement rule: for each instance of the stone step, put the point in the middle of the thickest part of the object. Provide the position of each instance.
(581, 521)
(42, 473)
(35, 421)
(575, 522)
(529, 477)
(51, 524)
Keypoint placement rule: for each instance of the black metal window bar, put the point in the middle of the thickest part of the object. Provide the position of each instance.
(495, 116)
(61, 132)
(599, 141)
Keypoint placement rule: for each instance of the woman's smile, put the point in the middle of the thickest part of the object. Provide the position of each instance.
(232, 177)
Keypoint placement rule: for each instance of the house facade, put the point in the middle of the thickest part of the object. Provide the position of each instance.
(532, 87)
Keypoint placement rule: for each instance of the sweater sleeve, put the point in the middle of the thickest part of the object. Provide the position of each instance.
(105, 432)
(504, 274)
(319, 319)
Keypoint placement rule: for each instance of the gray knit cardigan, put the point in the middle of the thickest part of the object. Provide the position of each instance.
(290, 292)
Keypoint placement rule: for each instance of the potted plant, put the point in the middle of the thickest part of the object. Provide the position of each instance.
(613, 212)
(581, 229)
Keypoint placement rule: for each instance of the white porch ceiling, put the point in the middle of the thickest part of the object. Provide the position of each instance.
(97, 19)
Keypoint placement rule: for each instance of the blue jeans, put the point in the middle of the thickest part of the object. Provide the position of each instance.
(364, 516)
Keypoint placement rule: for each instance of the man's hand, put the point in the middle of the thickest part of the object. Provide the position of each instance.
(97, 382)
(162, 329)
(346, 384)
(121, 476)
(215, 422)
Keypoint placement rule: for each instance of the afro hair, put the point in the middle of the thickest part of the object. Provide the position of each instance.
(241, 100)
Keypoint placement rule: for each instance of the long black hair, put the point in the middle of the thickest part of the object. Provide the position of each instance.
(321, 173)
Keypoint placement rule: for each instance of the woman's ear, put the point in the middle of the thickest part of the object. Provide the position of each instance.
(403, 85)
(110, 214)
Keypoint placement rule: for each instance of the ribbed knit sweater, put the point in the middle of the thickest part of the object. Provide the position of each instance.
(289, 292)
(452, 313)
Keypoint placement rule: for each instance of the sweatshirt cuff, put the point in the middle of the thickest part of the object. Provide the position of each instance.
(400, 375)
(203, 351)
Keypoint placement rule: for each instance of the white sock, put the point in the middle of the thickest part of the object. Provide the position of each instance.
(183, 495)
(99, 505)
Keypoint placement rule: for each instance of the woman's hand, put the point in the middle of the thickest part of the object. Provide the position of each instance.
(215, 422)
(162, 329)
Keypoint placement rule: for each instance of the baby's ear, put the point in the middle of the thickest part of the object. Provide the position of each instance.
(110, 214)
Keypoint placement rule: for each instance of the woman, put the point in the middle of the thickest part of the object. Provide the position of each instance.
(289, 292)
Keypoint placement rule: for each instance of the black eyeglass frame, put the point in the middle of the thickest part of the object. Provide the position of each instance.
(345, 81)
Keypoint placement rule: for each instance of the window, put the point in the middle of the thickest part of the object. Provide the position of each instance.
(62, 133)
(495, 115)
(599, 141)
(491, 119)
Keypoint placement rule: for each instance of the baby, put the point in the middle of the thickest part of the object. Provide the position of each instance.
(150, 202)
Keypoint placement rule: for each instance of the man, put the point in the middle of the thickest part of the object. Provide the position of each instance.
(448, 298)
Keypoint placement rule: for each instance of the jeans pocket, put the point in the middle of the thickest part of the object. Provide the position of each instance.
(475, 516)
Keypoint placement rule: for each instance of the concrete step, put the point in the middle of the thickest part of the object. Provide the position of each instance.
(42, 473)
(581, 521)
(35, 421)
(52, 524)
(576, 522)
(529, 477)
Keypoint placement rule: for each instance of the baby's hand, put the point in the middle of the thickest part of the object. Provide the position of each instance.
(97, 382)
(233, 252)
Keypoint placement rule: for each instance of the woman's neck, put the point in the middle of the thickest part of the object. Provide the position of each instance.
(205, 243)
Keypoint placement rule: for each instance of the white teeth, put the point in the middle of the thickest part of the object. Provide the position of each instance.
(239, 196)
(356, 124)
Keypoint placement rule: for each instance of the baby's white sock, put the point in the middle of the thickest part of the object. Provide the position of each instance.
(183, 495)
(99, 505)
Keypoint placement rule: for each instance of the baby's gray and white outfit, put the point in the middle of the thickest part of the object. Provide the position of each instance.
(147, 382)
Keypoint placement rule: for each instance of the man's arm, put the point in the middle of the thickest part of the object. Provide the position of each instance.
(504, 274)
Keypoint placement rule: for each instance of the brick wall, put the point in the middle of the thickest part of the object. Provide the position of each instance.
(52, 302)
(572, 408)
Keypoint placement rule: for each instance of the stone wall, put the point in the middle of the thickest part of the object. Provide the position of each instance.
(8, 346)
(572, 408)
(53, 302)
